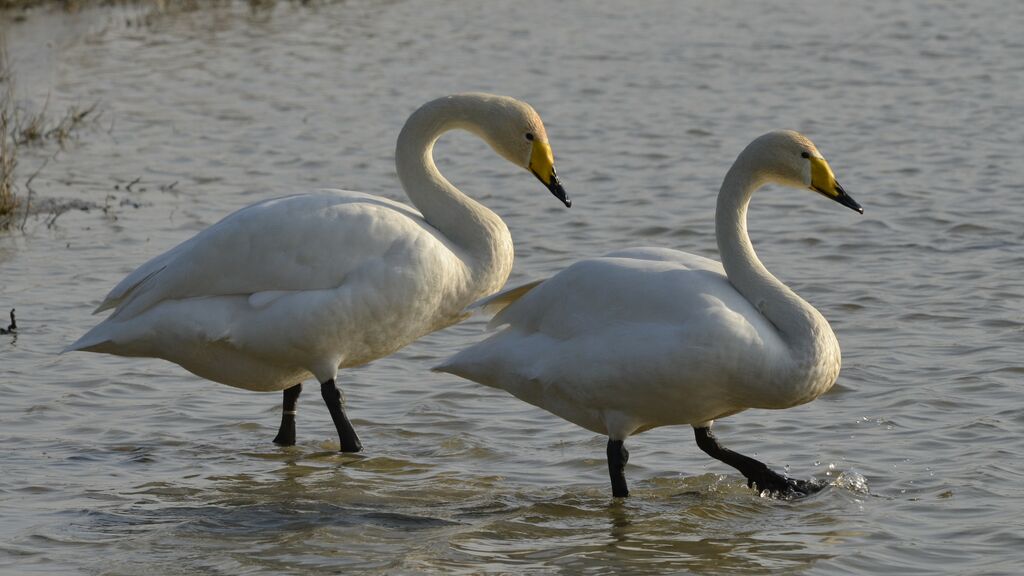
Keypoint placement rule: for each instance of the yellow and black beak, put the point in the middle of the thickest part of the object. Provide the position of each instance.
(542, 164)
(823, 181)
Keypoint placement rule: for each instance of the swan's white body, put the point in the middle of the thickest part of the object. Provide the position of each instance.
(305, 284)
(644, 338)
(291, 287)
(650, 337)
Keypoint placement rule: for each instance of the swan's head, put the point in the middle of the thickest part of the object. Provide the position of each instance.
(516, 132)
(793, 160)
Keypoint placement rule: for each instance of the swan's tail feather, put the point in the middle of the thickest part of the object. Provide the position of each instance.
(456, 366)
(494, 305)
(498, 302)
(92, 341)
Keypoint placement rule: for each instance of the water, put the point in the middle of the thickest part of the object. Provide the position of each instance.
(120, 466)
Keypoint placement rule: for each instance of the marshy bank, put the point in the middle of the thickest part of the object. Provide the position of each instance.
(22, 129)
(32, 131)
(37, 131)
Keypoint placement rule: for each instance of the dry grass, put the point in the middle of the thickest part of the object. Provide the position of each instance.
(8, 162)
(20, 128)
(74, 118)
(8, 147)
(26, 4)
(33, 129)
(30, 129)
(158, 5)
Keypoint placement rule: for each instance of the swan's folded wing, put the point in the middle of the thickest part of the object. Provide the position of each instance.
(304, 242)
(657, 254)
(133, 282)
(596, 293)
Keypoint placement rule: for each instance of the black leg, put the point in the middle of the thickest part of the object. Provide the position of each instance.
(617, 458)
(286, 434)
(346, 434)
(758, 475)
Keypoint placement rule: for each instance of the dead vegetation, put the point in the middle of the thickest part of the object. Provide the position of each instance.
(21, 128)
(8, 162)
(8, 148)
(157, 5)
(35, 129)
(24, 127)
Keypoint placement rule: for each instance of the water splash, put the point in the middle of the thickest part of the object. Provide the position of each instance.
(852, 481)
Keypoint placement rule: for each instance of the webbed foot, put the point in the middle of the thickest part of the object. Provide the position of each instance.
(779, 486)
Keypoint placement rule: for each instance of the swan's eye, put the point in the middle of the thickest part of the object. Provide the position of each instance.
(529, 136)
(805, 154)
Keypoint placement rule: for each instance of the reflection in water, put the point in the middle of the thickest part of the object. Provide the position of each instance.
(316, 504)
(695, 531)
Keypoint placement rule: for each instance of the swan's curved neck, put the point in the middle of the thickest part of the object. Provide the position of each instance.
(478, 232)
(802, 327)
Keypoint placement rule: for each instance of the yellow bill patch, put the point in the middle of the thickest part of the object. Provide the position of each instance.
(542, 162)
(822, 178)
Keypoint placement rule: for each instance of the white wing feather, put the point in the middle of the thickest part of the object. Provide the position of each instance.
(271, 248)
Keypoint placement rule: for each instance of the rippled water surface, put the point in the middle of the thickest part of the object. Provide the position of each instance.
(128, 466)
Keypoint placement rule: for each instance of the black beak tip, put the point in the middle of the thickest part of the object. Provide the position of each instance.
(559, 193)
(850, 203)
(842, 198)
(846, 200)
(556, 188)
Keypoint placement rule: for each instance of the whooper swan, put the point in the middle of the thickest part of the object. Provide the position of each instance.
(307, 284)
(650, 337)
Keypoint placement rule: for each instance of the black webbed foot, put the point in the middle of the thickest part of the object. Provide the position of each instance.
(757, 474)
(779, 486)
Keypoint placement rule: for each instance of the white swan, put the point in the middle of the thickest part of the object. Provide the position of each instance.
(307, 284)
(651, 337)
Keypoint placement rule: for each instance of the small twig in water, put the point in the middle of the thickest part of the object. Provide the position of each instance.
(28, 186)
(56, 214)
(13, 328)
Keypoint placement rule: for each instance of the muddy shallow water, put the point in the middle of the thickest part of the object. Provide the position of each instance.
(119, 466)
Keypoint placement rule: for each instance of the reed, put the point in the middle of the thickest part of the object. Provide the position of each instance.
(22, 128)
(8, 145)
